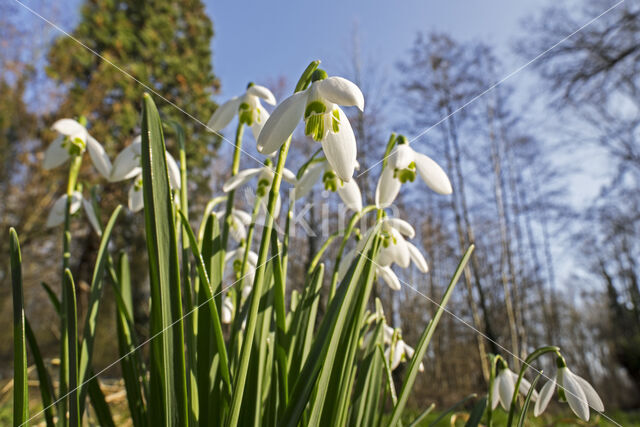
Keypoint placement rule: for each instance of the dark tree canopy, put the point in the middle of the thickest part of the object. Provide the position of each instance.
(165, 45)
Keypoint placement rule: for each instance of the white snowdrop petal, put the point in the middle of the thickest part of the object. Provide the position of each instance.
(126, 164)
(575, 395)
(288, 176)
(340, 148)
(55, 155)
(91, 216)
(341, 91)
(68, 127)
(262, 92)
(242, 216)
(402, 156)
(400, 249)
(57, 213)
(387, 189)
(417, 258)
(136, 198)
(546, 393)
(432, 174)
(506, 388)
(350, 195)
(389, 277)
(99, 157)
(240, 179)
(309, 178)
(402, 226)
(174, 171)
(227, 310)
(593, 399)
(282, 123)
(525, 386)
(398, 352)
(495, 393)
(223, 114)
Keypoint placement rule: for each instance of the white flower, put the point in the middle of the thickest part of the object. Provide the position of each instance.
(348, 191)
(579, 394)
(401, 167)
(239, 220)
(248, 107)
(227, 310)
(265, 176)
(324, 121)
(401, 350)
(394, 249)
(57, 212)
(91, 216)
(503, 387)
(127, 166)
(236, 257)
(74, 139)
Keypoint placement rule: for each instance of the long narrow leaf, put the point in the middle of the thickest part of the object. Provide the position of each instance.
(425, 339)
(95, 296)
(20, 388)
(71, 313)
(46, 386)
(168, 377)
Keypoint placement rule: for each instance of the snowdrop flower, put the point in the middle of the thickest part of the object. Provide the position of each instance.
(394, 249)
(227, 310)
(402, 352)
(402, 166)
(239, 220)
(579, 393)
(504, 385)
(236, 257)
(72, 141)
(324, 120)
(91, 216)
(127, 166)
(248, 107)
(348, 191)
(265, 176)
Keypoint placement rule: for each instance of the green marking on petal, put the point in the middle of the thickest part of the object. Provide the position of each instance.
(314, 127)
(406, 175)
(335, 121)
(314, 107)
(331, 181)
(245, 114)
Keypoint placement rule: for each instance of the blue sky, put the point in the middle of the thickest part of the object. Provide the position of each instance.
(279, 38)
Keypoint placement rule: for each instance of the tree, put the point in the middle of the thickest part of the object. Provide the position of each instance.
(164, 45)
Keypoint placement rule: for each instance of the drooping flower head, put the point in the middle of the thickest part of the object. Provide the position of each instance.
(579, 394)
(324, 120)
(127, 166)
(57, 213)
(73, 140)
(403, 164)
(348, 191)
(504, 385)
(248, 108)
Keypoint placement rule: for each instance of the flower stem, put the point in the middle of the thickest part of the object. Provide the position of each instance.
(235, 166)
(347, 233)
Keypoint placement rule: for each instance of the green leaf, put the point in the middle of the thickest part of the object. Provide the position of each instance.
(71, 321)
(46, 386)
(527, 400)
(95, 296)
(476, 413)
(210, 302)
(98, 402)
(52, 297)
(422, 415)
(20, 387)
(168, 404)
(450, 409)
(133, 372)
(425, 339)
(326, 343)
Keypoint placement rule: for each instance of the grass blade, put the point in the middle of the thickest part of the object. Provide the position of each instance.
(71, 317)
(20, 388)
(95, 296)
(476, 413)
(425, 339)
(527, 400)
(46, 386)
(98, 402)
(169, 404)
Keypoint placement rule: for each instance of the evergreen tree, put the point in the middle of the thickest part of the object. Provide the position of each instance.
(165, 45)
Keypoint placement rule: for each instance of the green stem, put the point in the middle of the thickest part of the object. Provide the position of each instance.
(256, 292)
(235, 166)
(527, 363)
(347, 233)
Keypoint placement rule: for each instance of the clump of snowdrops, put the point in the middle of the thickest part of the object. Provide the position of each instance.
(229, 345)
